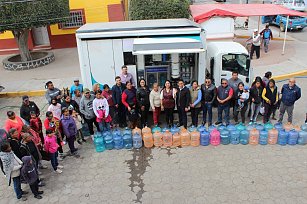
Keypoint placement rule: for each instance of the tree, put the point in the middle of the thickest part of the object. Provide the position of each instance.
(19, 16)
(158, 9)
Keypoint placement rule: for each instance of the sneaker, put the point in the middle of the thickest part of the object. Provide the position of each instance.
(41, 184)
(60, 167)
(43, 167)
(22, 198)
(58, 171)
(218, 123)
(79, 142)
(60, 158)
(83, 140)
(40, 192)
(38, 197)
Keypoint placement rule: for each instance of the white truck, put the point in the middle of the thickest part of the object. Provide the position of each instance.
(156, 50)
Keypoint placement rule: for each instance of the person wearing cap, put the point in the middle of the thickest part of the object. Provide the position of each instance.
(267, 35)
(256, 41)
(241, 98)
(26, 108)
(270, 98)
(224, 95)
(86, 108)
(52, 92)
(75, 86)
(125, 76)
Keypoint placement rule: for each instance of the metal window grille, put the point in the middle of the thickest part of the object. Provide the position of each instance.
(75, 20)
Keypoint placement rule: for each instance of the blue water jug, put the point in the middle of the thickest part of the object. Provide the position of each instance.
(106, 133)
(221, 128)
(109, 143)
(235, 137)
(156, 129)
(268, 126)
(244, 137)
(201, 128)
(263, 138)
(165, 129)
(240, 127)
(127, 131)
(250, 127)
(302, 138)
(259, 127)
(174, 129)
(192, 128)
(211, 127)
(204, 138)
(127, 141)
(118, 141)
(225, 137)
(231, 127)
(137, 141)
(99, 144)
(282, 137)
(292, 137)
(304, 127)
(278, 126)
(116, 131)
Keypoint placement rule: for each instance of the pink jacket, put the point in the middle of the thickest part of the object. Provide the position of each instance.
(51, 145)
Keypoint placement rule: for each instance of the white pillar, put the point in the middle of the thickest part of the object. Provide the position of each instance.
(175, 66)
(286, 31)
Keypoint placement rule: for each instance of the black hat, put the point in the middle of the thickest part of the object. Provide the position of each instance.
(25, 97)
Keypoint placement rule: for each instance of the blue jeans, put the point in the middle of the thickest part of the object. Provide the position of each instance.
(54, 160)
(17, 187)
(207, 107)
(226, 109)
(103, 126)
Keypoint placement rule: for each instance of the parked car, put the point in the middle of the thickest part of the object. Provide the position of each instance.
(298, 5)
(295, 22)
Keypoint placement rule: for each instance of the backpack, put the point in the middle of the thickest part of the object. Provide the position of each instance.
(267, 34)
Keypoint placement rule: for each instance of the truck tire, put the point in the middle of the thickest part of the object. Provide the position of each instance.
(282, 27)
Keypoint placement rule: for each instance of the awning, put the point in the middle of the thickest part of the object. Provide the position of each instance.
(167, 45)
(203, 12)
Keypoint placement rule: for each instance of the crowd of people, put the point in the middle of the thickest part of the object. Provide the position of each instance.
(29, 140)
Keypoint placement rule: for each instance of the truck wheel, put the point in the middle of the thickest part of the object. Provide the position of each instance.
(282, 27)
(300, 29)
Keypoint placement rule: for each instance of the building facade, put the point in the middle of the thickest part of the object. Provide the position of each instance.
(63, 35)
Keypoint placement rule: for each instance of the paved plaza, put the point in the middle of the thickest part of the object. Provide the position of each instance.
(222, 174)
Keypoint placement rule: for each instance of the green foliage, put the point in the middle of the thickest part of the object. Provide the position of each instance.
(23, 14)
(158, 9)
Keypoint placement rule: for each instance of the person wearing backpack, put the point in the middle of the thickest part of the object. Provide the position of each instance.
(267, 35)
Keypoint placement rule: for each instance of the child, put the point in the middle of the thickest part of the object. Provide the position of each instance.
(30, 175)
(11, 168)
(77, 118)
(101, 110)
(51, 147)
(36, 125)
(243, 97)
(69, 130)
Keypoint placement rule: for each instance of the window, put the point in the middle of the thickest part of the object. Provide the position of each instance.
(235, 62)
(75, 20)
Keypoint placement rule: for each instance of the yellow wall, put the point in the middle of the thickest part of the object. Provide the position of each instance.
(95, 11)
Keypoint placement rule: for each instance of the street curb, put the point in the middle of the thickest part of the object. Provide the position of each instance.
(42, 92)
(247, 36)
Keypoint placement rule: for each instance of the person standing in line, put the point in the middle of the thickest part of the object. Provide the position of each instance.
(237, 95)
(11, 167)
(208, 92)
(224, 95)
(155, 103)
(74, 87)
(95, 88)
(51, 147)
(142, 97)
(86, 108)
(14, 142)
(101, 110)
(77, 96)
(267, 35)
(270, 98)
(13, 121)
(195, 105)
(256, 42)
(52, 92)
(183, 102)
(36, 125)
(107, 94)
(70, 104)
(130, 102)
(55, 108)
(120, 110)
(78, 120)
(125, 76)
(290, 93)
(256, 101)
(69, 130)
(266, 78)
(168, 96)
(233, 82)
(26, 108)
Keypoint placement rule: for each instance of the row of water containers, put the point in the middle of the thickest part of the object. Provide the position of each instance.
(232, 134)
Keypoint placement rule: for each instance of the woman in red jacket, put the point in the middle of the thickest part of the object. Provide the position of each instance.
(130, 102)
(13, 121)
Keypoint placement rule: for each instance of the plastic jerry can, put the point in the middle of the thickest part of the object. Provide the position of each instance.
(148, 140)
(288, 127)
(127, 131)
(127, 141)
(109, 143)
(157, 139)
(244, 137)
(211, 127)
(146, 130)
(137, 140)
(221, 127)
(195, 138)
(99, 144)
(174, 129)
(176, 140)
(118, 141)
(185, 138)
(192, 128)
(201, 128)
(137, 130)
(240, 127)
(268, 126)
(231, 127)
(225, 137)
(204, 138)
(215, 138)
(302, 138)
(263, 138)
(282, 137)
(293, 137)
(304, 127)
(235, 137)
(273, 136)
(278, 126)
(116, 131)
(254, 136)
(167, 139)
(259, 127)
(156, 129)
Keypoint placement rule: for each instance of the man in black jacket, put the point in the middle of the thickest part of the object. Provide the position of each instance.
(208, 92)
(120, 110)
(27, 107)
(183, 101)
(15, 142)
(70, 104)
